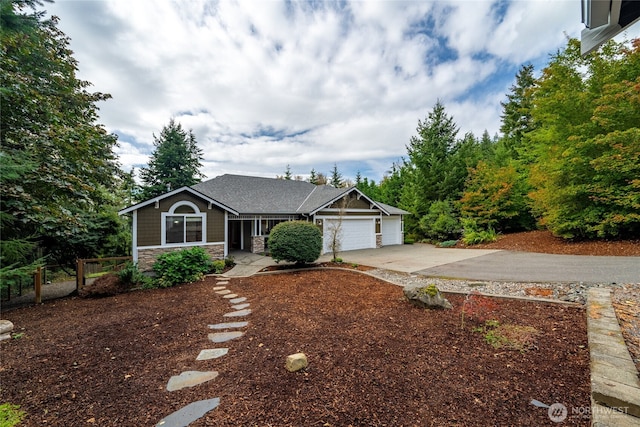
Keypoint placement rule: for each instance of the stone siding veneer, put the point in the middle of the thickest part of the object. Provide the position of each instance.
(257, 244)
(146, 257)
(378, 241)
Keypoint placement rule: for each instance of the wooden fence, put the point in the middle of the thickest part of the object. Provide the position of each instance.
(84, 269)
(92, 266)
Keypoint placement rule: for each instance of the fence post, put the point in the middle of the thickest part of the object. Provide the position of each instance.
(38, 285)
(79, 274)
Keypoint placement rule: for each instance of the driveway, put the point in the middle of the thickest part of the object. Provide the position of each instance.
(479, 264)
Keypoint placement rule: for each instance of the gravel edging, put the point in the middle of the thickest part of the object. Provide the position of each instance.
(562, 291)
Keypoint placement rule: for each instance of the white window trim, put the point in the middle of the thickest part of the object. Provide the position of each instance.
(171, 212)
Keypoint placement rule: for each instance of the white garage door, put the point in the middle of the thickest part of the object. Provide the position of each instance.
(354, 234)
(391, 230)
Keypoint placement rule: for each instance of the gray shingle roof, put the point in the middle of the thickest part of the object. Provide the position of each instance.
(268, 196)
(251, 195)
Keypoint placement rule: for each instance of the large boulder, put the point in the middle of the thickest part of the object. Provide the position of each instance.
(426, 297)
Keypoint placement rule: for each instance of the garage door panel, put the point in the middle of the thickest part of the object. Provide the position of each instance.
(354, 234)
(391, 231)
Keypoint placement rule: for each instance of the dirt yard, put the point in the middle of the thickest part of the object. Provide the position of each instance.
(375, 360)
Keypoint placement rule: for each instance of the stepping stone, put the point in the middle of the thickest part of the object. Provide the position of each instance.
(193, 411)
(229, 296)
(219, 288)
(240, 306)
(222, 282)
(238, 313)
(212, 353)
(229, 325)
(237, 300)
(225, 292)
(189, 379)
(225, 336)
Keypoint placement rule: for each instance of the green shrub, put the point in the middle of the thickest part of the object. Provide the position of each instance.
(187, 265)
(409, 241)
(472, 234)
(130, 276)
(229, 261)
(10, 415)
(218, 266)
(295, 241)
(448, 244)
(440, 222)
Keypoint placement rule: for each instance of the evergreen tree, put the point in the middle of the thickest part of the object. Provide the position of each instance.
(174, 163)
(336, 177)
(516, 111)
(313, 178)
(287, 173)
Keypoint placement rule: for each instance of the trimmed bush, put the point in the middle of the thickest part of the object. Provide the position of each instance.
(187, 265)
(218, 266)
(295, 241)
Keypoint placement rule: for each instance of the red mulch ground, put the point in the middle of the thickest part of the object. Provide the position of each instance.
(544, 242)
(375, 360)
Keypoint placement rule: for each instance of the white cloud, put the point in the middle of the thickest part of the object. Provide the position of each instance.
(270, 83)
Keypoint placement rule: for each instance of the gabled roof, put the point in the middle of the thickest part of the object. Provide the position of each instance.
(241, 194)
(176, 191)
(253, 195)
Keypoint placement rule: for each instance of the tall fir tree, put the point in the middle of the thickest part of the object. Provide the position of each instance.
(516, 111)
(175, 162)
(336, 177)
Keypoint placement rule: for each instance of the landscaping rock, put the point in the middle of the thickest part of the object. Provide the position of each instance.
(190, 379)
(426, 297)
(225, 336)
(240, 306)
(238, 313)
(295, 362)
(223, 292)
(229, 296)
(237, 300)
(6, 327)
(229, 325)
(212, 353)
(193, 411)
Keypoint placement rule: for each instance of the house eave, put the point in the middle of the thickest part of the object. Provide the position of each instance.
(171, 193)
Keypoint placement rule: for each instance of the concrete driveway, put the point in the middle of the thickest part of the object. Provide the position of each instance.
(478, 264)
(408, 258)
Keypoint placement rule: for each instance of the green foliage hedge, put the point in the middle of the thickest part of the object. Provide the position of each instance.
(187, 265)
(295, 241)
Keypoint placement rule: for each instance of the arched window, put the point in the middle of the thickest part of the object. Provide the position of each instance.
(184, 223)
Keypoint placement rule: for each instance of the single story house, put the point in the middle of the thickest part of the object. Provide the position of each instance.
(234, 212)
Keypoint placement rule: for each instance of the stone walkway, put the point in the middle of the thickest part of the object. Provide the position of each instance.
(227, 331)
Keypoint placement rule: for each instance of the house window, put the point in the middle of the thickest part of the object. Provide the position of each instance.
(183, 229)
(184, 224)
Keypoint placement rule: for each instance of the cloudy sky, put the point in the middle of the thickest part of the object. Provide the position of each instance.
(264, 84)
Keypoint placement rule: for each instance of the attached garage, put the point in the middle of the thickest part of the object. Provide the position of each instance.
(355, 233)
(391, 230)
